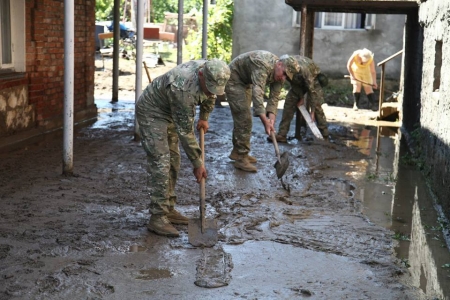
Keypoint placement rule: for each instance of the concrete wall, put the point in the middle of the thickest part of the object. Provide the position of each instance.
(435, 104)
(267, 25)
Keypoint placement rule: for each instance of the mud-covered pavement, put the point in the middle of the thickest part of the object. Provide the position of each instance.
(85, 237)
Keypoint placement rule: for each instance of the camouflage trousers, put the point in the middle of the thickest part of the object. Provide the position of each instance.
(290, 108)
(160, 141)
(239, 97)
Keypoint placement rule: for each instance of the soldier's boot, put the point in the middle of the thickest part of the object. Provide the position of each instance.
(324, 133)
(175, 217)
(281, 138)
(235, 156)
(244, 165)
(161, 225)
(372, 102)
(356, 97)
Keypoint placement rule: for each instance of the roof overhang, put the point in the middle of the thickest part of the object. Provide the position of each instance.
(357, 6)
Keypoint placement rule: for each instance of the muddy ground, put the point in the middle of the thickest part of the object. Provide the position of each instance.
(85, 236)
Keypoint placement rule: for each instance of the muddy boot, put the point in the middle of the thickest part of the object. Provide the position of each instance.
(356, 97)
(161, 225)
(281, 138)
(244, 165)
(235, 156)
(372, 102)
(325, 133)
(175, 217)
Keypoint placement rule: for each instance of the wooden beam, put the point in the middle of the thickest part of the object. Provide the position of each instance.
(356, 6)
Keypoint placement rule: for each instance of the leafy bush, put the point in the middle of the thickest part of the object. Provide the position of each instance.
(219, 41)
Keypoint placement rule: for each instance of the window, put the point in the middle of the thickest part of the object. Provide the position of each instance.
(332, 20)
(342, 21)
(437, 66)
(12, 35)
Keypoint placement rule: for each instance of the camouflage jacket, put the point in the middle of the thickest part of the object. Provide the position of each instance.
(173, 97)
(306, 81)
(257, 68)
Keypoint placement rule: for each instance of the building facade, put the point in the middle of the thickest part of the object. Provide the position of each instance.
(32, 67)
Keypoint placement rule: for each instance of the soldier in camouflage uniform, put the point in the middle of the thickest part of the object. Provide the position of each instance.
(250, 73)
(165, 113)
(308, 80)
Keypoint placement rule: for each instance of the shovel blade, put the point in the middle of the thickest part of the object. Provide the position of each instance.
(205, 238)
(282, 165)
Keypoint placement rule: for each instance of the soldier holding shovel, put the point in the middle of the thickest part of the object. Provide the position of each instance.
(308, 80)
(165, 113)
(250, 73)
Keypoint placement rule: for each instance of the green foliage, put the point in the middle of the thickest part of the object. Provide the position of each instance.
(405, 262)
(372, 176)
(401, 237)
(159, 7)
(416, 159)
(339, 93)
(104, 9)
(219, 41)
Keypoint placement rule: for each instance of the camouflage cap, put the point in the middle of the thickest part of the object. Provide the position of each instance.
(216, 74)
(290, 64)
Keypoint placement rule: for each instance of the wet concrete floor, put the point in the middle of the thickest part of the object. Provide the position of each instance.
(325, 232)
(395, 196)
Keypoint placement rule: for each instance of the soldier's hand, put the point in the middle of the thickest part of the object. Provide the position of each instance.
(301, 102)
(272, 118)
(313, 116)
(200, 173)
(202, 124)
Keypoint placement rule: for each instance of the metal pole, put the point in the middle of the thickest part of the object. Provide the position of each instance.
(69, 26)
(115, 76)
(205, 28)
(139, 57)
(180, 33)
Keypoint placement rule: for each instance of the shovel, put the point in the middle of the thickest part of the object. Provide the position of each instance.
(202, 232)
(282, 161)
(312, 125)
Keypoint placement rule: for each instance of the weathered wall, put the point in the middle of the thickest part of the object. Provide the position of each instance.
(435, 104)
(43, 79)
(15, 112)
(267, 25)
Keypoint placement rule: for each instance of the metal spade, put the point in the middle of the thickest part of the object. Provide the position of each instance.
(282, 162)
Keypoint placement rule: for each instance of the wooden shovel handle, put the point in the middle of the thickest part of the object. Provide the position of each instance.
(202, 181)
(275, 144)
(365, 82)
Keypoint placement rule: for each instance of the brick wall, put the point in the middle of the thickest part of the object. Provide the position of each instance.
(45, 59)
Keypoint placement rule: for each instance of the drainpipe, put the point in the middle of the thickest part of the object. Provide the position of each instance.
(139, 57)
(180, 32)
(68, 86)
(115, 75)
(205, 28)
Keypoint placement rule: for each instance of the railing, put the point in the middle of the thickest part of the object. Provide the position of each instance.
(382, 65)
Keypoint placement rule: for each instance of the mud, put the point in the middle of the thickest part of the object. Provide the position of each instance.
(85, 236)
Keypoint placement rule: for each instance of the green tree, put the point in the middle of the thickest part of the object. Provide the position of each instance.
(220, 39)
(159, 7)
(104, 10)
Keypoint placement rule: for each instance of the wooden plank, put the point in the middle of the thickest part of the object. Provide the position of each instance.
(312, 125)
(107, 35)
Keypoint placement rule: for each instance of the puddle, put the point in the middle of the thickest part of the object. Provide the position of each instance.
(118, 115)
(396, 196)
